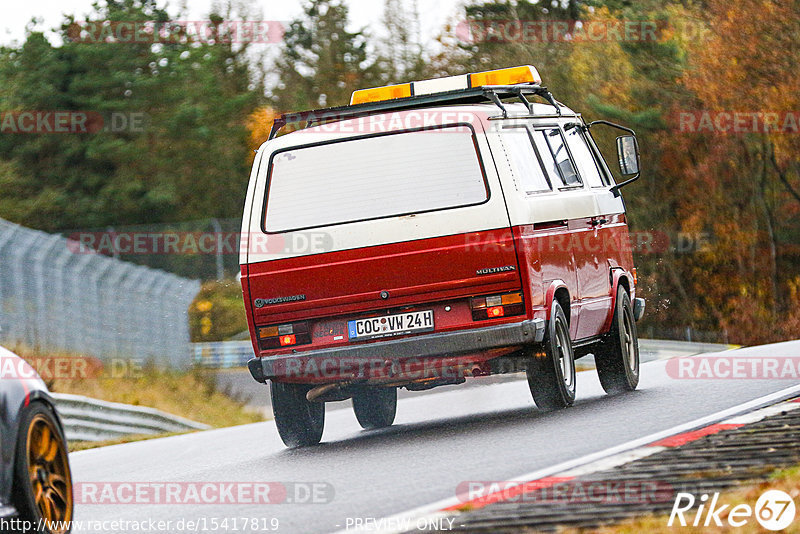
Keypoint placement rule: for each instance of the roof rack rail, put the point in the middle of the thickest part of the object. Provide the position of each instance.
(494, 94)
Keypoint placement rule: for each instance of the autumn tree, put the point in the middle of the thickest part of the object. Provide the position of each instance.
(748, 182)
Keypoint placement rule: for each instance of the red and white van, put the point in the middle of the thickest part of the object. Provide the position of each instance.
(431, 232)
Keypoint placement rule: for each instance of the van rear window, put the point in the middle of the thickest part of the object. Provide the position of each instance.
(373, 177)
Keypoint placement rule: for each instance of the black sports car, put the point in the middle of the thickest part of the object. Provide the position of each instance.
(35, 479)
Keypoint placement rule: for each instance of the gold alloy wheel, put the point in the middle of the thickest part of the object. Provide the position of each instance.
(49, 475)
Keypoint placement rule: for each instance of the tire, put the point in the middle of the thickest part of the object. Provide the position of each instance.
(617, 356)
(42, 477)
(551, 374)
(300, 422)
(375, 408)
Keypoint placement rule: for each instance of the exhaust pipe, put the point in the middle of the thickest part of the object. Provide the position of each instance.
(318, 391)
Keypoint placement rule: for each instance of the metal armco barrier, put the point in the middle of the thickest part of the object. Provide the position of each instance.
(88, 419)
(228, 354)
(56, 298)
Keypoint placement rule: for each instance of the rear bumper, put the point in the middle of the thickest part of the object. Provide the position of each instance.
(424, 346)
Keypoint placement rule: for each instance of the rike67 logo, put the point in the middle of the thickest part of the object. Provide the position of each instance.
(774, 510)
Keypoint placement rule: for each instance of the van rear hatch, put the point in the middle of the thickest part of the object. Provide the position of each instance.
(346, 225)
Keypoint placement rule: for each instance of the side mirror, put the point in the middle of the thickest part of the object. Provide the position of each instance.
(628, 153)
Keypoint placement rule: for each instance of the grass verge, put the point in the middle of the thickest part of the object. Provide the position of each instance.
(76, 446)
(192, 394)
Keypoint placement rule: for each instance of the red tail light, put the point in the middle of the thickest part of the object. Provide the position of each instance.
(285, 335)
(496, 311)
(496, 306)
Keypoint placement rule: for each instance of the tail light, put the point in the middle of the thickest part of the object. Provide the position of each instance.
(497, 306)
(285, 335)
(495, 311)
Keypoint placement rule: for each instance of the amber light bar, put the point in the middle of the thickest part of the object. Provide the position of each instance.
(509, 76)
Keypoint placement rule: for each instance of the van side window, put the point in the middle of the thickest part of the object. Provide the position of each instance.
(605, 172)
(526, 166)
(556, 158)
(584, 159)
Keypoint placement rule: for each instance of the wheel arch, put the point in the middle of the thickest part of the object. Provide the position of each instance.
(619, 278)
(558, 291)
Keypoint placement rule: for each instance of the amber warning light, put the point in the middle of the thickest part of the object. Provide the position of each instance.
(509, 76)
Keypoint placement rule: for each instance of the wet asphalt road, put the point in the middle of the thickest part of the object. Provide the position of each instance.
(490, 432)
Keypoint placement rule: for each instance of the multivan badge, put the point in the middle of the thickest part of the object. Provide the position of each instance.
(495, 270)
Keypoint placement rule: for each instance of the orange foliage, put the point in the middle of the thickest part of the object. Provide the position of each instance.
(748, 62)
(740, 186)
(259, 124)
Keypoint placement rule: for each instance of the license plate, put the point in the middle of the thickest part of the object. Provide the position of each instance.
(391, 325)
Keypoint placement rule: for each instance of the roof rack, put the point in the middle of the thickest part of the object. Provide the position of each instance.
(491, 93)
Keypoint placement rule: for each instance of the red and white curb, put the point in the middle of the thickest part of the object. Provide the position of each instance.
(440, 512)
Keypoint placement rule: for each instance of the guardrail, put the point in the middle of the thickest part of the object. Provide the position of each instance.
(88, 419)
(222, 354)
(229, 354)
(681, 348)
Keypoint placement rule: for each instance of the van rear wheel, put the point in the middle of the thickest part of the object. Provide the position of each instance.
(551, 374)
(299, 421)
(375, 408)
(617, 356)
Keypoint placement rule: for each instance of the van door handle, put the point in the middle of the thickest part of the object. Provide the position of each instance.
(598, 222)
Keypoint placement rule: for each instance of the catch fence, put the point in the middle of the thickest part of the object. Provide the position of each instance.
(55, 297)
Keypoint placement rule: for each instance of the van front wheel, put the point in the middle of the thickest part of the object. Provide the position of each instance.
(375, 408)
(617, 356)
(551, 374)
(299, 421)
